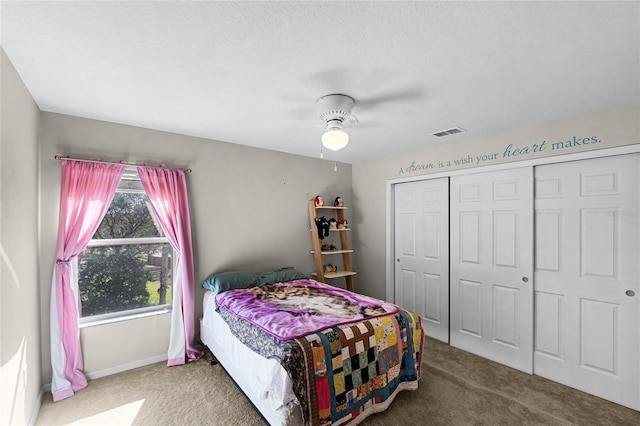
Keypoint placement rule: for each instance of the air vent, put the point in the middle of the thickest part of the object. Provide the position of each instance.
(448, 132)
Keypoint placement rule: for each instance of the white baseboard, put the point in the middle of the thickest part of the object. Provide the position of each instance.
(118, 369)
(126, 367)
(36, 408)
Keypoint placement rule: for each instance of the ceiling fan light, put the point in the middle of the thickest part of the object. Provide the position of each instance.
(335, 139)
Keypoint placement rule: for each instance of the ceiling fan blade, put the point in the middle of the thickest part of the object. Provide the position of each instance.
(367, 125)
(405, 95)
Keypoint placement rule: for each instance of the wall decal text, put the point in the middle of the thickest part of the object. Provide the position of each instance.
(510, 151)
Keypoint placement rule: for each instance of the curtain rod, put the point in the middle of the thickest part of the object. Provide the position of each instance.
(62, 157)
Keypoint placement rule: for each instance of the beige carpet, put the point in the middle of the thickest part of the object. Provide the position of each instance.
(456, 388)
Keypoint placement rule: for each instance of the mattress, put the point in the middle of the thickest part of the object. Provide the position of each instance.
(263, 380)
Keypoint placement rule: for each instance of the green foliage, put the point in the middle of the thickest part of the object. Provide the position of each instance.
(112, 280)
(128, 216)
(153, 288)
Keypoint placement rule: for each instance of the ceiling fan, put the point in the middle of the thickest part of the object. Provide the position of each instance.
(335, 112)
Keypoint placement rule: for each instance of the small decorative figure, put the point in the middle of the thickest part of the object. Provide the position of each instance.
(333, 224)
(330, 268)
(327, 247)
(338, 202)
(323, 227)
(319, 201)
(343, 224)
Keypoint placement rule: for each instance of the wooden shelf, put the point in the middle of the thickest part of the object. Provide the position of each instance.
(336, 274)
(344, 249)
(331, 208)
(333, 251)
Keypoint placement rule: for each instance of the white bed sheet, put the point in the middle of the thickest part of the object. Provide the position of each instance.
(269, 383)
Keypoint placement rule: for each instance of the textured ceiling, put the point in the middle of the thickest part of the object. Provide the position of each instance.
(250, 72)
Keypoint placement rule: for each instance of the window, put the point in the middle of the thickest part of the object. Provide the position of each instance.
(127, 266)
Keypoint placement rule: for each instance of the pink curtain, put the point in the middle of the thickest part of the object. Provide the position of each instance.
(167, 192)
(85, 195)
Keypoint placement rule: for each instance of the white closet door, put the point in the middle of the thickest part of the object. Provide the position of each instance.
(492, 265)
(422, 252)
(587, 276)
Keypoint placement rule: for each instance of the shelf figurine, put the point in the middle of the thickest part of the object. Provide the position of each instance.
(343, 224)
(319, 201)
(323, 227)
(338, 202)
(333, 224)
(330, 268)
(327, 247)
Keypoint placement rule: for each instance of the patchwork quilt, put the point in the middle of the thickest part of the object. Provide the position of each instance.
(342, 373)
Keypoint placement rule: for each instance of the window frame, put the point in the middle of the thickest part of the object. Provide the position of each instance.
(125, 187)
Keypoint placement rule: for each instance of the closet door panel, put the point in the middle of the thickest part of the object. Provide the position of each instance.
(587, 276)
(492, 265)
(548, 326)
(422, 252)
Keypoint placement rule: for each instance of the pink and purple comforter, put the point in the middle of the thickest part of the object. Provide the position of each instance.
(297, 308)
(348, 355)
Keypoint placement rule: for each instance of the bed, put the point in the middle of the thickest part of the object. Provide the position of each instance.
(305, 352)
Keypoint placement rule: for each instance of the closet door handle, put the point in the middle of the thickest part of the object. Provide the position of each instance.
(630, 293)
(525, 279)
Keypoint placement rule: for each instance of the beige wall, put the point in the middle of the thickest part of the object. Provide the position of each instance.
(248, 211)
(151, 332)
(605, 129)
(20, 361)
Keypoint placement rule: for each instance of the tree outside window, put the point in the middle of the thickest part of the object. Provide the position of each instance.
(128, 265)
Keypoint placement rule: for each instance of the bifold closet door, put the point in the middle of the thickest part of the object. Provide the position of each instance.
(587, 276)
(422, 252)
(492, 265)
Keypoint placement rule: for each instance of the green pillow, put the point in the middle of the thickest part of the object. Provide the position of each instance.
(231, 280)
(280, 275)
